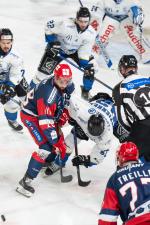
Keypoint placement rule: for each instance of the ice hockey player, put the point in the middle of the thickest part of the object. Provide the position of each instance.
(69, 38)
(12, 81)
(93, 121)
(132, 100)
(44, 113)
(126, 16)
(127, 192)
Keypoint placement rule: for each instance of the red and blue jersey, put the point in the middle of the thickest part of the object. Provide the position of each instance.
(48, 103)
(127, 195)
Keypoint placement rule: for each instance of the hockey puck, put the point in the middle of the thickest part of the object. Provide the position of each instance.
(3, 218)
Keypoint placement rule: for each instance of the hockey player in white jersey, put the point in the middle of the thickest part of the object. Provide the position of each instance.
(69, 38)
(12, 81)
(93, 121)
(126, 15)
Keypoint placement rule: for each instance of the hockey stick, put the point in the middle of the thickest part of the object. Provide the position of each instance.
(80, 3)
(82, 70)
(102, 48)
(103, 51)
(65, 179)
(80, 182)
(141, 32)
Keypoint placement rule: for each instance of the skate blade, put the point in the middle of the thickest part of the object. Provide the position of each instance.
(23, 192)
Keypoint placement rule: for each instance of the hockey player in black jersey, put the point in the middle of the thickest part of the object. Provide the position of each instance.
(132, 100)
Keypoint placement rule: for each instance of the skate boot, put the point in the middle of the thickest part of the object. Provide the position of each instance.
(15, 125)
(51, 169)
(24, 187)
(85, 94)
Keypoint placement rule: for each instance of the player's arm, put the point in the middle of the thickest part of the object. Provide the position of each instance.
(97, 14)
(17, 83)
(110, 206)
(46, 112)
(52, 29)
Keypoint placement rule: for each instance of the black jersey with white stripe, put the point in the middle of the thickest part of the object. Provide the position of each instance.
(132, 98)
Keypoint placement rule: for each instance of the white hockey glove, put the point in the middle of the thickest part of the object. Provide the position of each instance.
(137, 15)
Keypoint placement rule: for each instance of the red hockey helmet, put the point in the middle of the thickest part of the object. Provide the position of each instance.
(63, 71)
(128, 152)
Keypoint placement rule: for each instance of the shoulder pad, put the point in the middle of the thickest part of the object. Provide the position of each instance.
(52, 96)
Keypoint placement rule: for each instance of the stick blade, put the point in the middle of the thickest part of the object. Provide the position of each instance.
(65, 179)
(84, 183)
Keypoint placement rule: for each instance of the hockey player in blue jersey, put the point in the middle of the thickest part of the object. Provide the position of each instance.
(127, 192)
(93, 121)
(69, 38)
(44, 113)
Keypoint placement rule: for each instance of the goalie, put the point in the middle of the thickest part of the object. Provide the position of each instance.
(124, 15)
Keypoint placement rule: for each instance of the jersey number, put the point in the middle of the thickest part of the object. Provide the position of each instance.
(131, 185)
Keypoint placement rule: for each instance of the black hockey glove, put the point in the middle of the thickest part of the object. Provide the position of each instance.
(53, 48)
(81, 160)
(101, 96)
(89, 71)
(22, 88)
(6, 92)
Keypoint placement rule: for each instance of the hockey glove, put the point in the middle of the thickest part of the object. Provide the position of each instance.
(89, 72)
(60, 147)
(137, 15)
(53, 48)
(6, 92)
(64, 118)
(81, 160)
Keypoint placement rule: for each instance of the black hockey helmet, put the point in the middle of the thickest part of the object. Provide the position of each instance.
(6, 33)
(118, 1)
(127, 62)
(96, 125)
(83, 12)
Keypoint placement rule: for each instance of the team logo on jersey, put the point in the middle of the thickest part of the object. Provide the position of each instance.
(69, 37)
(91, 111)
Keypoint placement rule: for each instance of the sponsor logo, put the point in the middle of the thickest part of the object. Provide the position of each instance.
(107, 33)
(91, 111)
(134, 39)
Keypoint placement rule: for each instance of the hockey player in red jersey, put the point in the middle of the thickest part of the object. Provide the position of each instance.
(44, 113)
(128, 190)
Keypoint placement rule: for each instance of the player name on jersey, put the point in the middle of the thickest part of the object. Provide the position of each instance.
(134, 174)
